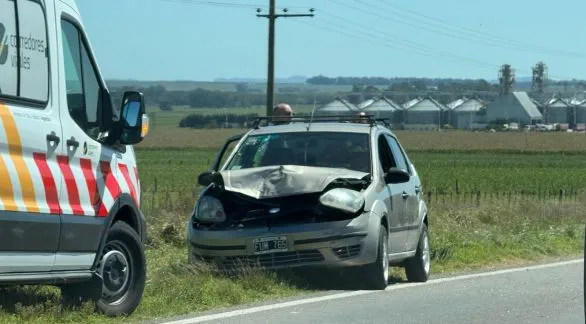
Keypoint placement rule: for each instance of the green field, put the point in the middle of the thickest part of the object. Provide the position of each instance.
(494, 199)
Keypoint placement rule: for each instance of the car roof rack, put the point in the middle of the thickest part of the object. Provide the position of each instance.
(327, 118)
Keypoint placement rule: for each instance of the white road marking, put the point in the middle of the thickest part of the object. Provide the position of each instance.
(257, 309)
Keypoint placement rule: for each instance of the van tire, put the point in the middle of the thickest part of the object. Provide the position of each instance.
(114, 293)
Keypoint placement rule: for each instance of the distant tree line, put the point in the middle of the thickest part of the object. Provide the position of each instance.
(216, 120)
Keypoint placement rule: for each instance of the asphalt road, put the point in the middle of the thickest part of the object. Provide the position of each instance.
(542, 294)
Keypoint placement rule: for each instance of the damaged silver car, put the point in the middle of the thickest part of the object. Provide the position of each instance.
(325, 194)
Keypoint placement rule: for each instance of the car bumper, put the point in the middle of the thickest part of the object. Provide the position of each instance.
(329, 244)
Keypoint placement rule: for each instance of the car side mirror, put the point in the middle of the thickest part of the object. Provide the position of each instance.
(396, 175)
(133, 119)
(205, 178)
(208, 177)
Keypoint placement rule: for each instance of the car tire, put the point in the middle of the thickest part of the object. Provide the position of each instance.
(418, 267)
(122, 269)
(376, 274)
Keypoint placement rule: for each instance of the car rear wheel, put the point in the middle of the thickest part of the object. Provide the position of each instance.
(376, 275)
(417, 268)
(122, 269)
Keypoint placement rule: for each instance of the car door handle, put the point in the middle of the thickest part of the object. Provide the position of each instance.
(53, 138)
(72, 142)
(417, 189)
(404, 195)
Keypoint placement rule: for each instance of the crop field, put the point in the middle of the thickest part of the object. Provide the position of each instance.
(494, 199)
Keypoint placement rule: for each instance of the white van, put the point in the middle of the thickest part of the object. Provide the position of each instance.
(69, 188)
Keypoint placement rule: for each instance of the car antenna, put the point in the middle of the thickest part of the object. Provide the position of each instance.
(312, 111)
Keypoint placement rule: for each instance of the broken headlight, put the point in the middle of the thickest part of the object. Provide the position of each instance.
(347, 200)
(210, 210)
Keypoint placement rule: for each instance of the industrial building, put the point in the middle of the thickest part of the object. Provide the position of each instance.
(338, 106)
(516, 107)
(467, 113)
(382, 107)
(556, 111)
(424, 111)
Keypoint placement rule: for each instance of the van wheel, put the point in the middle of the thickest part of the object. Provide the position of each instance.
(417, 268)
(122, 268)
(376, 275)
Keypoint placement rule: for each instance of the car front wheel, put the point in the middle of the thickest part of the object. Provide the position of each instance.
(376, 275)
(417, 268)
(122, 268)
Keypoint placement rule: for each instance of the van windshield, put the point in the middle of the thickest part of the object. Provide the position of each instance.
(319, 149)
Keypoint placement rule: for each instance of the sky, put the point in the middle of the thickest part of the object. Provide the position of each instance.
(204, 40)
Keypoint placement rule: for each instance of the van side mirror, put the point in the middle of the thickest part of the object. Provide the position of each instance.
(396, 175)
(133, 119)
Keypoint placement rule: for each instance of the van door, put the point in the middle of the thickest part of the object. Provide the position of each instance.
(89, 167)
(30, 140)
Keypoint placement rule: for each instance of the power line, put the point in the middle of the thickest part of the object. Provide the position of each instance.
(377, 41)
(477, 32)
(395, 39)
(229, 4)
(396, 43)
(461, 36)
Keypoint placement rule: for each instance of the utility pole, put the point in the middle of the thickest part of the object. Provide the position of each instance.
(272, 16)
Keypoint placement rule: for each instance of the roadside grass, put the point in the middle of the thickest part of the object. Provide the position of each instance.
(464, 236)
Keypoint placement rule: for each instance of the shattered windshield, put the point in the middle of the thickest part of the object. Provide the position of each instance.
(319, 149)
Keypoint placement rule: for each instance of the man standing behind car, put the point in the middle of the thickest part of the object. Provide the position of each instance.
(282, 114)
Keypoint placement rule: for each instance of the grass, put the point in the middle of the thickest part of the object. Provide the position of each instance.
(494, 200)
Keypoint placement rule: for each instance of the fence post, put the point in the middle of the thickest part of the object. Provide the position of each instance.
(153, 200)
(478, 198)
(429, 197)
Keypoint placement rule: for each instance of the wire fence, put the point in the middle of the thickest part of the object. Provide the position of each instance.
(159, 197)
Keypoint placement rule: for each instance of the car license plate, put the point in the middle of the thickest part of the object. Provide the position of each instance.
(270, 244)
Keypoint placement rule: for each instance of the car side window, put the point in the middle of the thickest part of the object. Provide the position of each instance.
(384, 153)
(398, 154)
(83, 87)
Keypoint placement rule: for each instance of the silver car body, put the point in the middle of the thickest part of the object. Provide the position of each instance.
(350, 242)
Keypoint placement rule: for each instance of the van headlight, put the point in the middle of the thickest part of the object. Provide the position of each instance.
(210, 210)
(347, 200)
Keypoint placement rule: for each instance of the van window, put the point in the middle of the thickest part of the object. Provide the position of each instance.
(31, 81)
(83, 87)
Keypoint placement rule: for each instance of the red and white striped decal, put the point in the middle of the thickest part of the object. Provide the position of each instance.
(125, 173)
(92, 184)
(72, 191)
(51, 193)
(111, 184)
(103, 187)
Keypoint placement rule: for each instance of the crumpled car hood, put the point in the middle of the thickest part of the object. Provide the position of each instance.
(279, 181)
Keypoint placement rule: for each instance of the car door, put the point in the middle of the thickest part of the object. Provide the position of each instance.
(90, 169)
(30, 132)
(395, 203)
(411, 193)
